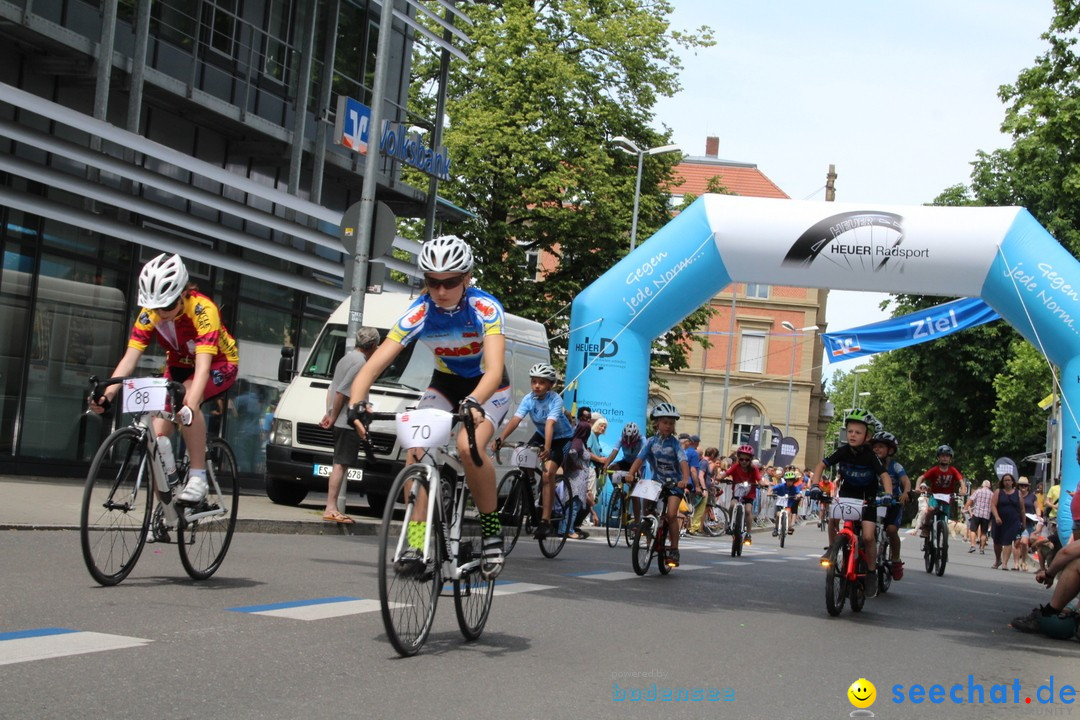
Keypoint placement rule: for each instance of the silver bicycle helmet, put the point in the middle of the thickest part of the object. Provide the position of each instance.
(665, 410)
(161, 281)
(543, 370)
(447, 253)
(631, 433)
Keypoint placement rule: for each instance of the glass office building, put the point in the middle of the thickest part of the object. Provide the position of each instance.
(208, 132)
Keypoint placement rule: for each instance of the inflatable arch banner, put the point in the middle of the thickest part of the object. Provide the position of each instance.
(999, 254)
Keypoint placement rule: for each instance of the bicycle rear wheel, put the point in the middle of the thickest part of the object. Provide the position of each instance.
(116, 506)
(511, 497)
(472, 593)
(942, 547)
(642, 552)
(203, 542)
(661, 546)
(884, 565)
(561, 525)
(715, 519)
(408, 587)
(836, 584)
(614, 518)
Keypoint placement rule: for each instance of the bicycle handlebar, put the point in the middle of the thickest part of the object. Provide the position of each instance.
(366, 417)
(97, 386)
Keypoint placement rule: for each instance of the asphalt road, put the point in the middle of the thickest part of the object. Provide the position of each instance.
(753, 631)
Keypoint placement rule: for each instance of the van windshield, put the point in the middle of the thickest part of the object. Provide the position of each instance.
(409, 370)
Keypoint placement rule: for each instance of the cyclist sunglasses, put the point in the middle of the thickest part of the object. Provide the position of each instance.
(448, 283)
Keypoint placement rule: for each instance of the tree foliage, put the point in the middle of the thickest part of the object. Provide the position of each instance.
(531, 117)
(978, 390)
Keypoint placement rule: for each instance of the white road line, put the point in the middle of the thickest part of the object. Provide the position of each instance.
(60, 643)
(322, 611)
(513, 588)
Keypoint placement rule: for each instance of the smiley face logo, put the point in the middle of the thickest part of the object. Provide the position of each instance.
(862, 693)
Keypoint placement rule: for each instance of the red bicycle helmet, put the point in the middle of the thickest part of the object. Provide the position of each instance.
(747, 449)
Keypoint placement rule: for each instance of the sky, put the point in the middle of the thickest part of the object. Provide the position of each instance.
(899, 96)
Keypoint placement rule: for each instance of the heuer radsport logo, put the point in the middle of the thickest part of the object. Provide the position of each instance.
(860, 240)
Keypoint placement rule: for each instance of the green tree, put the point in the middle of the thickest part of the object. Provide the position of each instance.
(530, 119)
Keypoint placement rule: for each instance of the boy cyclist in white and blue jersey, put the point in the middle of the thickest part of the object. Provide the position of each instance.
(666, 457)
(553, 431)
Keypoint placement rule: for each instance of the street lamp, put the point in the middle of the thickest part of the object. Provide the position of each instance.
(855, 390)
(627, 146)
(791, 328)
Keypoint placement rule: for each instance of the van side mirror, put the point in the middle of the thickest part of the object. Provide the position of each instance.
(285, 368)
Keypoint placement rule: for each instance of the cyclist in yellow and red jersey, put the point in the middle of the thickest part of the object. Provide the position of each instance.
(199, 353)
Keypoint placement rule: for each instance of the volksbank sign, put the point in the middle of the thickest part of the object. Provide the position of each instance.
(352, 129)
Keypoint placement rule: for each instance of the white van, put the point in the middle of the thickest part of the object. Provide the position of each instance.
(299, 453)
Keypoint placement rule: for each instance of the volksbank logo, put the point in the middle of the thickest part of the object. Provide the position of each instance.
(862, 239)
(605, 348)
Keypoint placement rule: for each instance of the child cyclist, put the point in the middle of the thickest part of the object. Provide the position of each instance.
(744, 471)
(463, 325)
(791, 492)
(666, 457)
(942, 479)
(858, 473)
(553, 431)
(885, 446)
(630, 444)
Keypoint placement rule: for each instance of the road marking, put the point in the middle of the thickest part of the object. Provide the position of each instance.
(313, 609)
(730, 562)
(42, 643)
(618, 575)
(771, 560)
(513, 588)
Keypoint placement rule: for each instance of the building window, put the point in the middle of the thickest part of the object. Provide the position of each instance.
(757, 290)
(743, 422)
(752, 352)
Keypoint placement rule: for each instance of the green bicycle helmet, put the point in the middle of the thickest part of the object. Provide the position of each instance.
(791, 475)
(860, 415)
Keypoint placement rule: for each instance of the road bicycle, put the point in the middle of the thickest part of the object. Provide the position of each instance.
(783, 518)
(714, 521)
(846, 562)
(519, 491)
(617, 517)
(129, 468)
(884, 555)
(412, 570)
(651, 536)
(936, 547)
(740, 534)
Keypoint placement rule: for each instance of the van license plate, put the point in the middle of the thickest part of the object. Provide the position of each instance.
(356, 474)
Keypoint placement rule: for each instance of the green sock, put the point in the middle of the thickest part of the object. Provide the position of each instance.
(489, 524)
(416, 532)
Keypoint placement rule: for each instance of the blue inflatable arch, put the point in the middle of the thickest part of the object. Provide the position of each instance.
(999, 254)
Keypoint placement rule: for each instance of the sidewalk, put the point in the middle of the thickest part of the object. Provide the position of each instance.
(55, 504)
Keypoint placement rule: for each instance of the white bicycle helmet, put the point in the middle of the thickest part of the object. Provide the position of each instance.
(543, 370)
(447, 253)
(665, 410)
(161, 281)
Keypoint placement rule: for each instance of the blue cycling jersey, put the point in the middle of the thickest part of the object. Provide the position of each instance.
(456, 337)
(895, 470)
(663, 455)
(540, 410)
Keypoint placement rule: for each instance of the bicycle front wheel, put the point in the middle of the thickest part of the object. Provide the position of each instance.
(409, 586)
(204, 540)
(116, 506)
(642, 552)
(942, 548)
(614, 519)
(511, 497)
(782, 530)
(472, 593)
(836, 585)
(739, 516)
